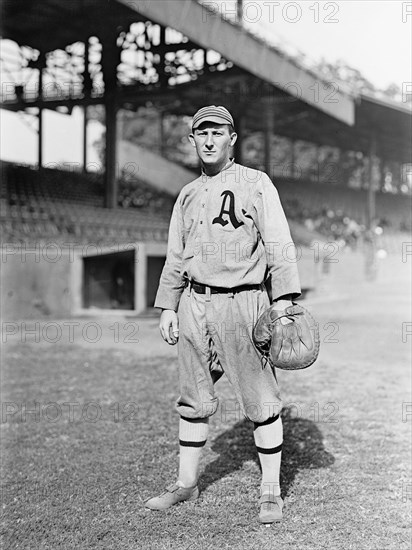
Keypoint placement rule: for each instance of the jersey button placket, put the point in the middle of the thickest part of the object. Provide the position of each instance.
(203, 206)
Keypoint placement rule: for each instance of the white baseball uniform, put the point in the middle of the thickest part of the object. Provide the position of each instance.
(227, 231)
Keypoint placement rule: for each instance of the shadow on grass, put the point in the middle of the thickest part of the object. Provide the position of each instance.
(302, 449)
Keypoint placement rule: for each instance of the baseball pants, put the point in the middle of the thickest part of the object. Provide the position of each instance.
(215, 337)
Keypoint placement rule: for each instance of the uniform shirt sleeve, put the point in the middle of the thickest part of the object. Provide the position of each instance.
(274, 230)
(172, 283)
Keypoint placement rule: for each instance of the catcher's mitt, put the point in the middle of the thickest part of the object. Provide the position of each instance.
(290, 346)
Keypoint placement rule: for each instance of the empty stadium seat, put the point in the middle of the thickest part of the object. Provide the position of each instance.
(53, 203)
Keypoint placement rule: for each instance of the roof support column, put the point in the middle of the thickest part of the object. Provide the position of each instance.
(85, 113)
(111, 156)
(239, 11)
(382, 173)
(337, 168)
(110, 60)
(371, 187)
(40, 139)
(163, 76)
(206, 67)
(87, 92)
(41, 65)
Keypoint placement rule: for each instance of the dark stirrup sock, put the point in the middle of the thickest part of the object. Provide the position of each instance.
(192, 443)
(270, 451)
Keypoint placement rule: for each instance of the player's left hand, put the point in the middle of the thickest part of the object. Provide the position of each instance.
(283, 304)
(291, 347)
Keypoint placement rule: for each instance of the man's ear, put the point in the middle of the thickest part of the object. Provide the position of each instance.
(192, 140)
(233, 138)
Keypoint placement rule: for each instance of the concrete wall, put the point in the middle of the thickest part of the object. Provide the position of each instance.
(47, 281)
(35, 284)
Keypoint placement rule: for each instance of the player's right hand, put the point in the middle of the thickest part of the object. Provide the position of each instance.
(169, 326)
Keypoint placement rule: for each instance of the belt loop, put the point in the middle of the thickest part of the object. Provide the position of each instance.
(189, 287)
(207, 294)
(230, 294)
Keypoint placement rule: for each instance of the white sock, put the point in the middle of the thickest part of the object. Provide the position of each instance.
(192, 438)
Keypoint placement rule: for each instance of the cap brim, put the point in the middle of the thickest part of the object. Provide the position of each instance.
(215, 119)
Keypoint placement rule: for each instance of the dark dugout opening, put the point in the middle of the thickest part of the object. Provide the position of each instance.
(109, 281)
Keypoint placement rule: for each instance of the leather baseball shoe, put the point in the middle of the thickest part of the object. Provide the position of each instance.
(270, 508)
(171, 496)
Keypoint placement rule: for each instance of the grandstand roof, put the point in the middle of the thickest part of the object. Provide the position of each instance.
(390, 122)
(245, 50)
(258, 71)
(52, 24)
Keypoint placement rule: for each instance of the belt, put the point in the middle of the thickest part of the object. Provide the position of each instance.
(201, 288)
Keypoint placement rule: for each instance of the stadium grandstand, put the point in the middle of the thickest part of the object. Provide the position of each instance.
(107, 230)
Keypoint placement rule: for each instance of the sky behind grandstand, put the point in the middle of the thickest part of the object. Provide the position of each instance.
(372, 36)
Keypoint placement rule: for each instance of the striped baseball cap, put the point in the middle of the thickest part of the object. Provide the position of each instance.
(211, 113)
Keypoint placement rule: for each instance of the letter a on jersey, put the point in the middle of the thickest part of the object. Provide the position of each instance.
(227, 196)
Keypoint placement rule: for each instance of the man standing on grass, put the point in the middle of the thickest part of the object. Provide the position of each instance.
(228, 234)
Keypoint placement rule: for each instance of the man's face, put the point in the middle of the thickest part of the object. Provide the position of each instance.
(213, 142)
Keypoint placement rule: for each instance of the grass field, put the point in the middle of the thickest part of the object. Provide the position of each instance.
(101, 436)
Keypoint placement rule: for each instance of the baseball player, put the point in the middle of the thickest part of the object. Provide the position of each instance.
(228, 234)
